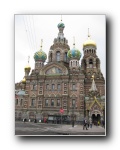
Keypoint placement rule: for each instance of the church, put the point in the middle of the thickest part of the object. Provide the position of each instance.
(62, 83)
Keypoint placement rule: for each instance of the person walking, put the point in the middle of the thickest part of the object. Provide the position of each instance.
(85, 124)
(90, 123)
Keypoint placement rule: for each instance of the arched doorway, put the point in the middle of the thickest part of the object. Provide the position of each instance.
(96, 118)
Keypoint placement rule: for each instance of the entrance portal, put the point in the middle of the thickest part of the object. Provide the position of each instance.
(95, 119)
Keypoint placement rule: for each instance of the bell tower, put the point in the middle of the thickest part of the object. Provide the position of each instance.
(90, 63)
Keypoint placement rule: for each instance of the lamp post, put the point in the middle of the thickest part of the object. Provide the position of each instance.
(61, 111)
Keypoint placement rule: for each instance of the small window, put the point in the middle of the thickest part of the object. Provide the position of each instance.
(65, 57)
(21, 102)
(53, 86)
(76, 63)
(46, 102)
(51, 57)
(47, 86)
(73, 87)
(34, 87)
(91, 63)
(16, 102)
(73, 102)
(58, 102)
(58, 56)
(52, 102)
(33, 102)
(58, 87)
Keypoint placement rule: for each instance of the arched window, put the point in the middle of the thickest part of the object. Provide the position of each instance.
(76, 63)
(58, 56)
(51, 57)
(91, 63)
(65, 57)
(71, 63)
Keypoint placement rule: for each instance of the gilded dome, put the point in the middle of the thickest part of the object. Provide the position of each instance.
(89, 42)
(40, 55)
(23, 80)
(27, 67)
(74, 53)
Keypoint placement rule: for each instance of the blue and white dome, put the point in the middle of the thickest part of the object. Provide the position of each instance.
(74, 53)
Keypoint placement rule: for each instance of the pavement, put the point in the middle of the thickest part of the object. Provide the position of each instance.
(30, 128)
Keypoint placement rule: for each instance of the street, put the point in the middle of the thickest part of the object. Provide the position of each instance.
(31, 128)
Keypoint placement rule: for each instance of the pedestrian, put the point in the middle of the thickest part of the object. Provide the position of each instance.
(24, 120)
(98, 123)
(90, 123)
(85, 124)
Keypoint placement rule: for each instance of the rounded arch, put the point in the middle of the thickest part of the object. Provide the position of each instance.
(58, 56)
(73, 95)
(54, 65)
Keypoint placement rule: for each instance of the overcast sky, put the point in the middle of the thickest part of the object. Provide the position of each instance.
(30, 29)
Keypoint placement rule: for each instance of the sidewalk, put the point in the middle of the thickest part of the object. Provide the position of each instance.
(78, 129)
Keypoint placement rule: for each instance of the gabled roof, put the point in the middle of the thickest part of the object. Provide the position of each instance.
(95, 101)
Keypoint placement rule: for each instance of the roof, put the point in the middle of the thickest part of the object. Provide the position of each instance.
(21, 92)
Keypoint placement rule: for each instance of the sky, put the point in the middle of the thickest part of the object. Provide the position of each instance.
(30, 29)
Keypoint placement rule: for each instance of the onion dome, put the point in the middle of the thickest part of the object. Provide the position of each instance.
(23, 80)
(61, 25)
(27, 67)
(40, 55)
(74, 53)
(89, 41)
